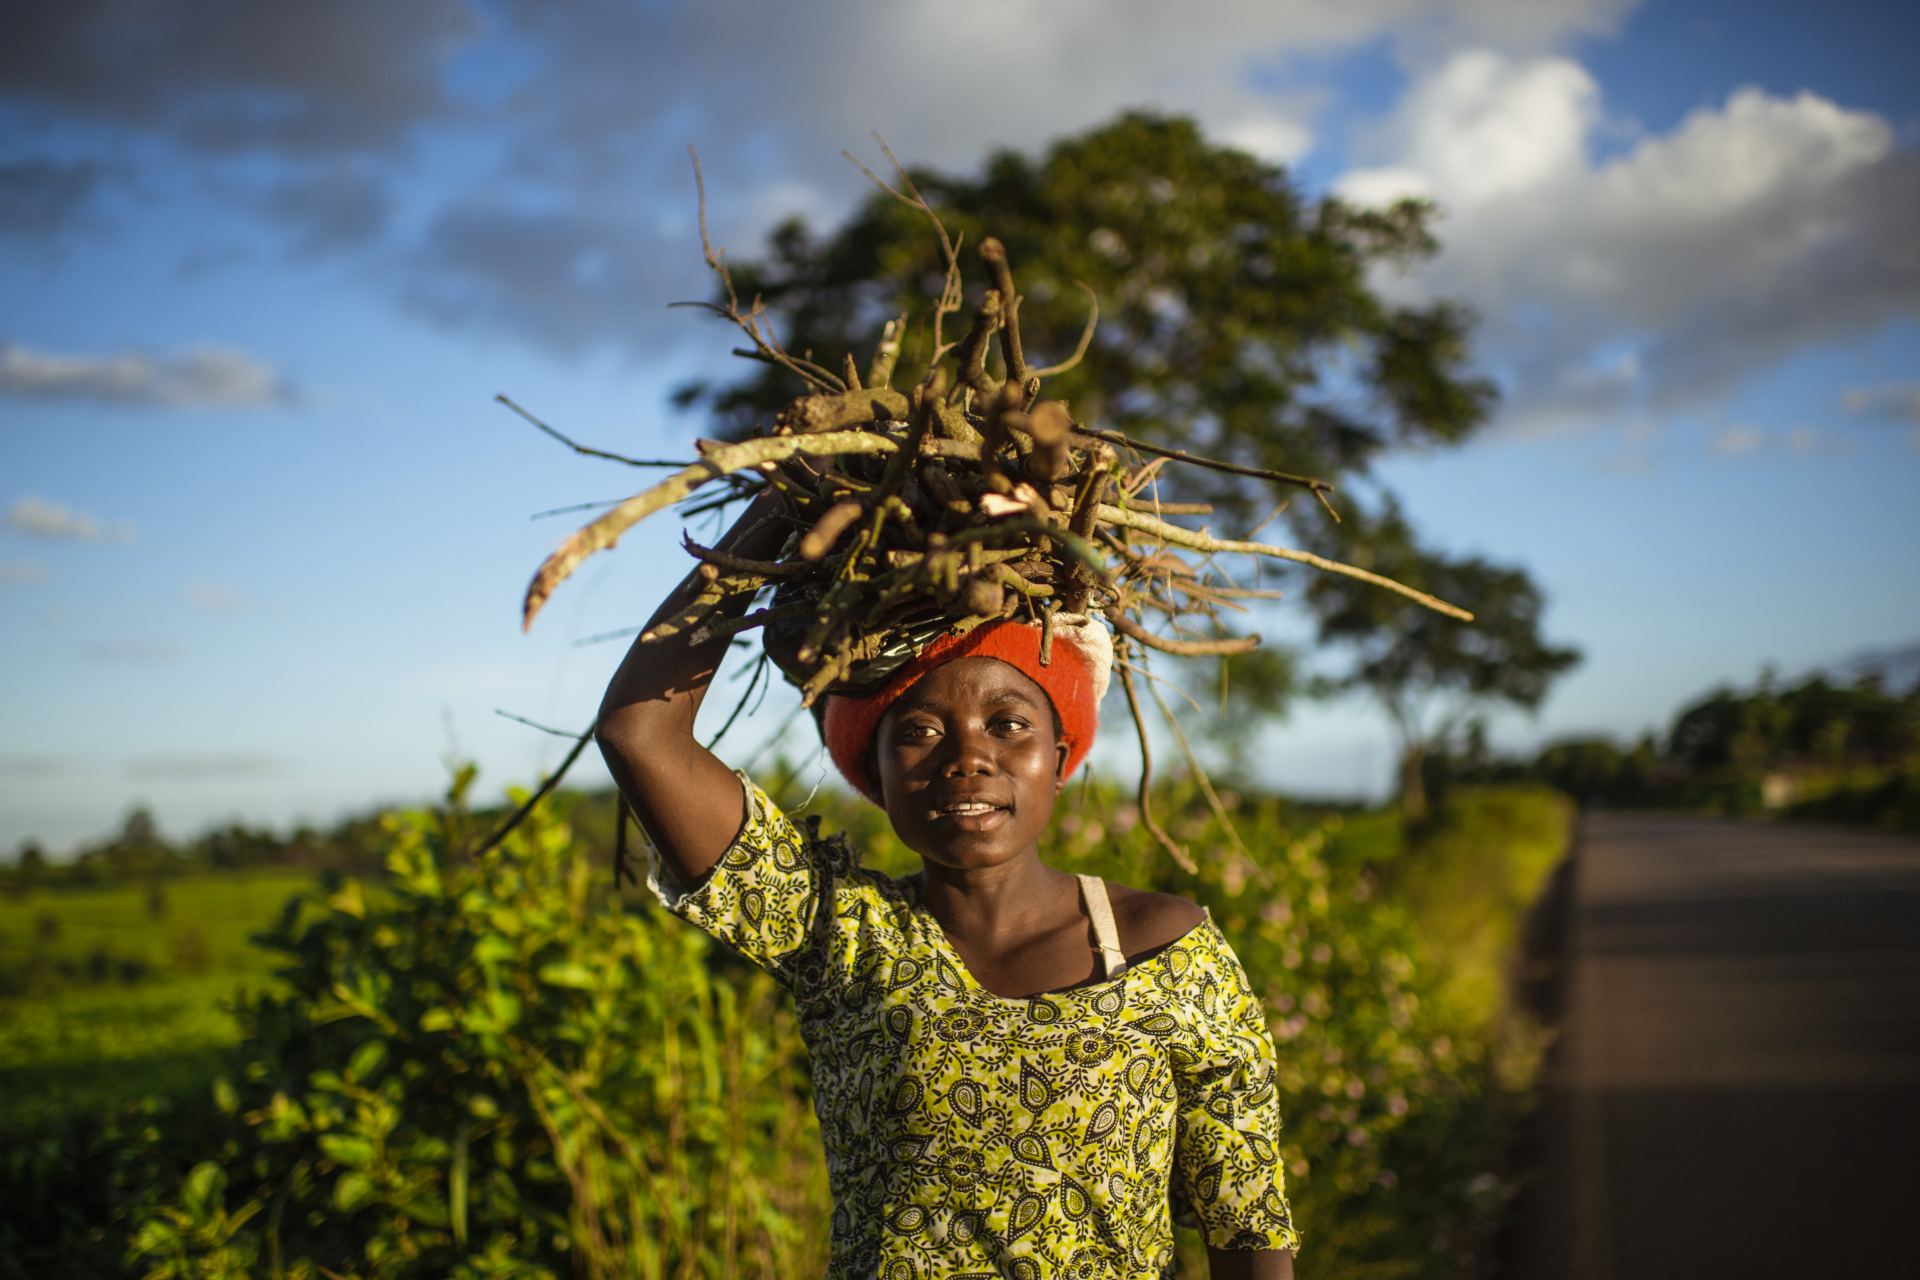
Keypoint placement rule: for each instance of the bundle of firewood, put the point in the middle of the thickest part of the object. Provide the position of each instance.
(965, 497)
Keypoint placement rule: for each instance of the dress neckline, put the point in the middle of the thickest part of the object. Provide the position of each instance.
(918, 906)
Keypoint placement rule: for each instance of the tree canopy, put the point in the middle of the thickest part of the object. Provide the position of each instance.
(1428, 672)
(1237, 316)
(1239, 319)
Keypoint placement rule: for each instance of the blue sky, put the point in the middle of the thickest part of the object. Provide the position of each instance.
(263, 532)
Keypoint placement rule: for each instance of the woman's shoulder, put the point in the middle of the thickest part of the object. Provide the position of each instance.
(1149, 921)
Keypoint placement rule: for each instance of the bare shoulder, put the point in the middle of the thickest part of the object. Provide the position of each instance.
(1148, 920)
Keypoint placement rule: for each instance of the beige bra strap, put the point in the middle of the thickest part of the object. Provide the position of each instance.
(1093, 890)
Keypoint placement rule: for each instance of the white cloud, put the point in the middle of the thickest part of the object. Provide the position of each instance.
(14, 573)
(1271, 136)
(1739, 440)
(1747, 232)
(568, 227)
(132, 651)
(52, 522)
(596, 129)
(206, 375)
(215, 597)
(1483, 127)
(1900, 401)
(1896, 402)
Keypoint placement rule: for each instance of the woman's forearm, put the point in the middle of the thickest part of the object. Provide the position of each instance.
(686, 799)
(661, 682)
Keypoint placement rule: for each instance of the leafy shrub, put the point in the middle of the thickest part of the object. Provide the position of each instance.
(1889, 799)
(491, 1069)
(488, 1067)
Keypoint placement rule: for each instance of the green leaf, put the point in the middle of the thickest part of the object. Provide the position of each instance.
(457, 1186)
(505, 1007)
(202, 1192)
(436, 1020)
(569, 973)
(351, 1191)
(348, 1149)
(367, 1060)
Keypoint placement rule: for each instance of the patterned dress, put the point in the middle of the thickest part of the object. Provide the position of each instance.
(970, 1136)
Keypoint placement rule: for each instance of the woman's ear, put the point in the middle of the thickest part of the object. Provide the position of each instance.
(1062, 750)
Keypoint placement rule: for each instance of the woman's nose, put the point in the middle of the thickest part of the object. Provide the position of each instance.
(970, 751)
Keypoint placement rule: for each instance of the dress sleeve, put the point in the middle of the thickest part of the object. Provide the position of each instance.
(1228, 1179)
(770, 895)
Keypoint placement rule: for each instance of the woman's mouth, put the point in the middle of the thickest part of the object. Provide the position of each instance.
(970, 815)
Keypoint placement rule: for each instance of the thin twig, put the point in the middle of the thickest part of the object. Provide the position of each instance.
(1086, 336)
(1203, 542)
(591, 452)
(578, 507)
(535, 724)
(620, 814)
(1212, 464)
(952, 294)
(551, 781)
(759, 668)
(1200, 774)
(749, 323)
(1147, 820)
(603, 637)
(740, 564)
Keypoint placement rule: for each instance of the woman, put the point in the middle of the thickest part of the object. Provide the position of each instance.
(1018, 1072)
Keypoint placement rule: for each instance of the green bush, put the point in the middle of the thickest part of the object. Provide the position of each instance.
(491, 1067)
(491, 1070)
(1888, 799)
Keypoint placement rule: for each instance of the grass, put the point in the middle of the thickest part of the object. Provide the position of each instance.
(114, 993)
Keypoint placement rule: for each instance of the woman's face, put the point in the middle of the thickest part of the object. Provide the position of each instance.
(969, 764)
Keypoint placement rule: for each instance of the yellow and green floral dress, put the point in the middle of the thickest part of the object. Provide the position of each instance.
(970, 1136)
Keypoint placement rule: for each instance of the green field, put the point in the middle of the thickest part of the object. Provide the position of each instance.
(114, 993)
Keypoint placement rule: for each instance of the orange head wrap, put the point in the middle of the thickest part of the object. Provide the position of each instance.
(1073, 681)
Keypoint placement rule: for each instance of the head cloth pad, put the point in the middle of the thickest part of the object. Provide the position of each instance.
(1074, 681)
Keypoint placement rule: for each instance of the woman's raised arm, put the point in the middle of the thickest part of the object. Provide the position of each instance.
(690, 804)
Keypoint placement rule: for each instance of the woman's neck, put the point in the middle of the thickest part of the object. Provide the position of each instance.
(1014, 900)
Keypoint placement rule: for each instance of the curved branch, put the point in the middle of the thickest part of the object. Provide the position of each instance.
(1086, 336)
(1204, 542)
(1221, 648)
(604, 532)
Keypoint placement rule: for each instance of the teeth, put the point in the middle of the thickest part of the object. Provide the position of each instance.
(972, 806)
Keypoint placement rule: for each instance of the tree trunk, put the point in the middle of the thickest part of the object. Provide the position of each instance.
(1413, 783)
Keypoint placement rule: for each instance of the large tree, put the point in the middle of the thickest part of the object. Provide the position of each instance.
(1237, 316)
(1428, 672)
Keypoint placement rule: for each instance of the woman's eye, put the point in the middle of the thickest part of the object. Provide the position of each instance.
(1012, 723)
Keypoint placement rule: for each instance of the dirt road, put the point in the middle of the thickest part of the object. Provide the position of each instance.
(1737, 1091)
